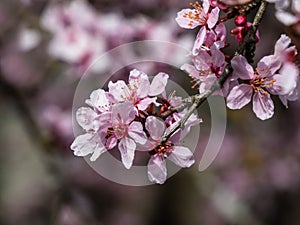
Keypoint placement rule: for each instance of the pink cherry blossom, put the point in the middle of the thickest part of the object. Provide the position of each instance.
(101, 101)
(262, 81)
(286, 55)
(122, 128)
(208, 67)
(89, 143)
(198, 16)
(139, 91)
(207, 38)
(181, 156)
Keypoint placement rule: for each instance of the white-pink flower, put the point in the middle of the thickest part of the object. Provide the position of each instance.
(259, 84)
(90, 142)
(139, 91)
(101, 101)
(180, 155)
(121, 128)
(286, 55)
(200, 15)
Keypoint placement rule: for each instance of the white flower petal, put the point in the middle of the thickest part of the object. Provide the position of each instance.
(239, 96)
(182, 157)
(157, 170)
(263, 106)
(155, 127)
(127, 148)
(86, 118)
(135, 130)
(158, 84)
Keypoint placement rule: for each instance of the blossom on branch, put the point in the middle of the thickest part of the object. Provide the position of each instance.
(180, 155)
(259, 84)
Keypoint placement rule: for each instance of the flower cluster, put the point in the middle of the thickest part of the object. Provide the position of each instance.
(132, 117)
(80, 40)
(275, 74)
(128, 116)
(282, 14)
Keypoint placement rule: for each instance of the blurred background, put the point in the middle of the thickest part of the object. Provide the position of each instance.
(46, 46)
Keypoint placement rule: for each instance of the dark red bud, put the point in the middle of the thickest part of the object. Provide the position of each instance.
(240, 20)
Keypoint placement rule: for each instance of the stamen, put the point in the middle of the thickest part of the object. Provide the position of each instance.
(259, 83)
(195, 14)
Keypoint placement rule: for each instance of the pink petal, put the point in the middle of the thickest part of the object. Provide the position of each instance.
(144, 103)
(158, 84)
(86, 118)
(186, 22)
(199, 40)
(263, 106)
(139, 81)
(282, 43)
(293, 96)
(123, 113)
(104, 121)
(213, 17)
(111, 142)
(190, 70)
(127, 147)
(217, 57)
(221, 32)
(241, 68)
(207, 83)
(98, 100)
(96, 154)
(286, 18)
(157, 170)
(192, 121)
(86, 144)
(239, 96)
(286, 81)
(119, 90)
(268, 65)
(155, 127)
(135, 130)
(205, 6)
(202, 61)
(182, 157)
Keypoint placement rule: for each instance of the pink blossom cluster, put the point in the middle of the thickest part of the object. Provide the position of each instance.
(275, 74)
(80, 34)
(129, 117)
(287, 11)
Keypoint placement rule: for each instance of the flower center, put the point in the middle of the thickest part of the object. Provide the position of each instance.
(195, 14)
(120, 130)
(130, 93)
(259, 83)
(163, 150)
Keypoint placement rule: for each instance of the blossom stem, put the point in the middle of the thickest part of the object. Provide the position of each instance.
(247, 48)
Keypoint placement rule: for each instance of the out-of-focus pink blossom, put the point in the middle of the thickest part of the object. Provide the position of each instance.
(284, 15)
(28, 39)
